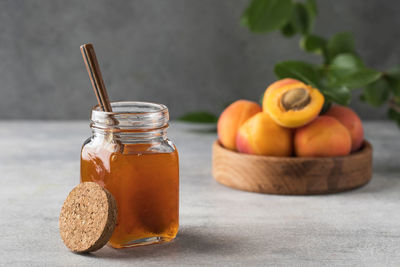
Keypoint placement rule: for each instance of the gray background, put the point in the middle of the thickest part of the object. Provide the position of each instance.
(188, 54)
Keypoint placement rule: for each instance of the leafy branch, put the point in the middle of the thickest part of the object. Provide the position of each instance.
(199, 117)
(341, 69)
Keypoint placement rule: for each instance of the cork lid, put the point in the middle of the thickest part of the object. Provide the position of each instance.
(87, 218)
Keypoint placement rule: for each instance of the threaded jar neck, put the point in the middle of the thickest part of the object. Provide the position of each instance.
(131, 119)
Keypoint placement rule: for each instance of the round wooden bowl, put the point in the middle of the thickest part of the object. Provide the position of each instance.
(292, 175)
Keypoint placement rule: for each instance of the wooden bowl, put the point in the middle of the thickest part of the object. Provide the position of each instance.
(292, 175)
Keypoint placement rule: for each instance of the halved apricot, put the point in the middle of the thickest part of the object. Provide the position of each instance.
(291, 103)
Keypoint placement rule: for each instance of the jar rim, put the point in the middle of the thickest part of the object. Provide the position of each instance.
(118, 104)
(130, 115)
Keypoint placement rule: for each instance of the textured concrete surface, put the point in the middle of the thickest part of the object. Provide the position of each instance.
(188, 54)
(39, 165)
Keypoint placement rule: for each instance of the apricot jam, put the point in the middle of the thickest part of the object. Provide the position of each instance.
(130, 156)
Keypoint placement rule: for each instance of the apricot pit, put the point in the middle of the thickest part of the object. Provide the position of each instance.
(295, 99)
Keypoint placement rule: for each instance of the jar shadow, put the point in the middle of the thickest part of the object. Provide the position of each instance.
(190, 242)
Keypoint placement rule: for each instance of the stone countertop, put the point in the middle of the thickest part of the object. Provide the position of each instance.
(39, 165)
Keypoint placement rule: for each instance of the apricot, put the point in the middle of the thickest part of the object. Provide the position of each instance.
(323, 137)
(260, 135)
(351, 121)
(291, 103)
(232, 118)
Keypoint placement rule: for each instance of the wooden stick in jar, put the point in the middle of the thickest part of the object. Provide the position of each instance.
(93, 69)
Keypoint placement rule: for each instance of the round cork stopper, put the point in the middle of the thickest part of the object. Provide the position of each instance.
(87, 218)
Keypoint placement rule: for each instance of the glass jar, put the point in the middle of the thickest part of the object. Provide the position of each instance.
(130, 155)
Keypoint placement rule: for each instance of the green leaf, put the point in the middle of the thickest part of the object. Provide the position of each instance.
(338, 94)
(267, 15)
(343, 65)
(393, 77)
(348, 62)
(339, 44)
(358, 79)
(200, 117)
(301, 19)
(288, 30)
(302, 71)
(376, 93)
(312, 7)
(349, 70)
(313, 44)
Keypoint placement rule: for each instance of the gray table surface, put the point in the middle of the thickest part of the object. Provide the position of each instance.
(39, 165)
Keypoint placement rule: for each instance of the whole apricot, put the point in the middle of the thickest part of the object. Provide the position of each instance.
(351, 121)
(232, 118)
(323, 137)
(260, 135)
(291, 103)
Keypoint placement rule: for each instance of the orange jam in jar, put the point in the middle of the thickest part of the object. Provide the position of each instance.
(129, 155)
